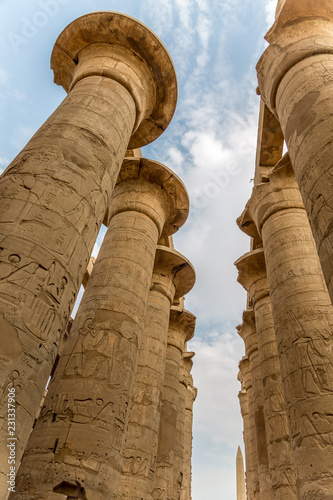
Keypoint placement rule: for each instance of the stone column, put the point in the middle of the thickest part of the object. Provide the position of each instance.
(252, 275)
(170, 452)
(190, 396)
(55, 193)
(296, 81)
(80, 434)
(303, 319)
(250, 436)
(173, 277)
(241, 493)
(248, 333)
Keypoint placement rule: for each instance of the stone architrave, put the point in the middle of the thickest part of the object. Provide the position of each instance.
(173, 277)
(303, 319)
(250, 436)
(189, 397)
(170, 453)
(252, 275)
(80, 435)
(55, 193)
(241, 493)
(247, 330)
(295, 76)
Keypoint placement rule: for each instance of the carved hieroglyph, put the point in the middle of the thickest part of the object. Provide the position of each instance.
(295, 77)
(173, 277)
(303, 319)
(55, 193)
(169, 473)
(250, 436)
(248, 333)
(252, 275)
(80, 434)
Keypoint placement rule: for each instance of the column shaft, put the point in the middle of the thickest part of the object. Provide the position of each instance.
(295, 79)
(303, 318)
(54, 198)
(142, 437)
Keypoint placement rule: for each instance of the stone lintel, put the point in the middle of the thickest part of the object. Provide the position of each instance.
(135, 170)
(128, 52)
(303, 28)
(181, 327)
(269, 144)
(252, 274)
(172, 265)
(90, 267)
(247, 330)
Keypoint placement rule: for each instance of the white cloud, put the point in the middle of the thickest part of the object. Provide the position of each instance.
(3, 76)
(270, 12)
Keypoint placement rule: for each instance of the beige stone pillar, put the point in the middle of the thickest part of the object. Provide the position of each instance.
(190, 396)
(303, 319)
(241, 493)
(248, 333)
(252, 275)
(296, 81)
(173, 277)
(170, 452)
(80, 434)
(55, 193)
(250, 436)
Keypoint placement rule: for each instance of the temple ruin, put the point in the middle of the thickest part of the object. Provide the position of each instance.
(116, 418)
(286, 376)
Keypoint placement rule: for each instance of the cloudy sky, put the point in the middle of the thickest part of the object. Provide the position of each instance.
(210, 144)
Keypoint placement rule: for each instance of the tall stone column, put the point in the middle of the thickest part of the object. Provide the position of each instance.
(295, 77)
(303, 319)
(250, 435)
(80, 434)
(170, 452)
(252, 275)
(190, 396)
(173, 278)
(248, 333)
(55, 193)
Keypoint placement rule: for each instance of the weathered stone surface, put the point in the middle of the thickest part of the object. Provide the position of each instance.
(247, 330)
(55, 193)
(170, 454)
(252, 275)
(90, 393)
(303, 318)
(189, 395)
(171, 271)
(296, 83)
(250, 436)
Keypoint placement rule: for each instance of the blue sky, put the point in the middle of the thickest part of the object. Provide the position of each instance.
(210, 144)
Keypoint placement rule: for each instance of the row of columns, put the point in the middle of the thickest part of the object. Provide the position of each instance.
(116, 416)
(287, 374)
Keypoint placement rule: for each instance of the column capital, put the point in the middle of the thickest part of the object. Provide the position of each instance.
(252, 274)
(279, 193)
(144, 185)
(245, 370)
(113, 45)
(247, 330)
(172, 271)
(243, 402)
(302, 28)
(181, 327)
